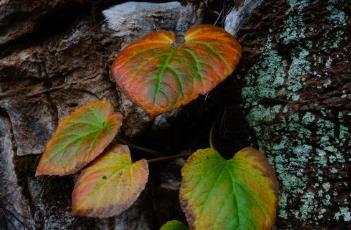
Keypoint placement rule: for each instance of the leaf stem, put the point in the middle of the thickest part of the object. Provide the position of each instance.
(210, 138)
(134, 146)
(166, 158)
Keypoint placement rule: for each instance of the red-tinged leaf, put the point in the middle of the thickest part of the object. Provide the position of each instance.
(79, 139)
(219, 194)
(160, 77)
(111, 185)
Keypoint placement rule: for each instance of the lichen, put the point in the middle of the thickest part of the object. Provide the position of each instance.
(294, 28)
(261, 75)
(308, 118)
(328, 63)
(299, 140)
(307, 206)
(343, 212)
(336, 16)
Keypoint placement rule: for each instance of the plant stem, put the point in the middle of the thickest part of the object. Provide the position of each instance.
(132, 145)
(210, 139)
(166, 158)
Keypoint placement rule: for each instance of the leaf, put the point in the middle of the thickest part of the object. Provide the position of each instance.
(174, 225)
(160, 77)
(80, 138)
(240, 193)
(111, 185)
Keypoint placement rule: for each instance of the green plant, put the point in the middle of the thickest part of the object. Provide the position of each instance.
(240, 193)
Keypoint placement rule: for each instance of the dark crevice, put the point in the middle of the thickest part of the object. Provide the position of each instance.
(190, 128)
(217, 10)
(52, 23)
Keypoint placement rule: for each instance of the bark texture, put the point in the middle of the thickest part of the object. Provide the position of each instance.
(296, 94)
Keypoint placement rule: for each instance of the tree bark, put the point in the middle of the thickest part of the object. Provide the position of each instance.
(296, 92)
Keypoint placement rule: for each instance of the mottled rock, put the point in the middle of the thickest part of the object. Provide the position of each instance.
(239, 13)
(296, 76)
(14, 208)
(62, 65)
(19, 18)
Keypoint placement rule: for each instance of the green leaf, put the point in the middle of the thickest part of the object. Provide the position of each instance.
(160, 75)
(174, 225)
(79, 138)
(111, 185)
(240, 193)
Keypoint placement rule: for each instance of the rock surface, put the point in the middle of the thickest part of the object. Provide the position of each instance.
(296, 91)
(43, 78)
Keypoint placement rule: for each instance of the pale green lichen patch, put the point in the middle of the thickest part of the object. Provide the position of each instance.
(327, 83)
(294, 28)
(344, 213)
(336, 16)
(308, 118)
(300, 142)
(328, 63)
(261, 75)
(307, 206)
(326, 186)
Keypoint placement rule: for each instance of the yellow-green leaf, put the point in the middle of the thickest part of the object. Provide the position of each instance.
(111, 185)
(80, 138)
(218, 194)
(174, 225)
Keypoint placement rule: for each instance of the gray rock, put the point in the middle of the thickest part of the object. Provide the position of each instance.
(13, 205)
(238, 14)
(41, 81)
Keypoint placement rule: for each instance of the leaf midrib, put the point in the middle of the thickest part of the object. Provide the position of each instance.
(62, 150)
(226, 168)
(161, 71)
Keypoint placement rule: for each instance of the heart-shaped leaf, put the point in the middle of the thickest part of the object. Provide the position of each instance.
(240, 193)
(80, 138)
(111, 185)
(159, 76)
(174, 225)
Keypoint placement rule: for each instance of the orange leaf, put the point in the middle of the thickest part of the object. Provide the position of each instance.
(160, 77)
(79, 139)
(111, 185)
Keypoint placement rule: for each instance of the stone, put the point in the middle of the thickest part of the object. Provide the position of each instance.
(44, 78)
